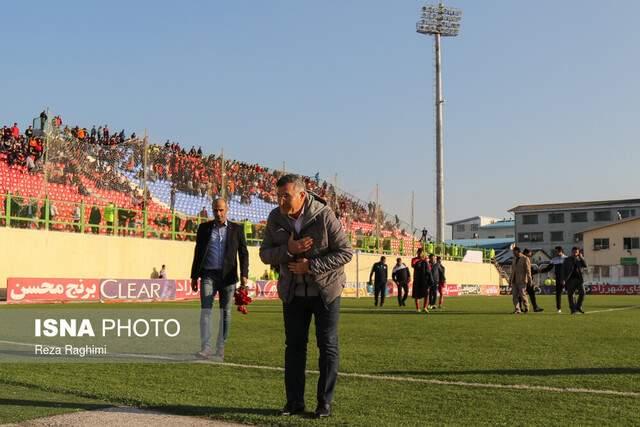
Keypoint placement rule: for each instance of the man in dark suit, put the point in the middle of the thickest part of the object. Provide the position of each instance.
(574, 280)
(219, 244)
(380, 274)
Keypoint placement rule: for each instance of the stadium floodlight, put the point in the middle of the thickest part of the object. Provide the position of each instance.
(439, 21)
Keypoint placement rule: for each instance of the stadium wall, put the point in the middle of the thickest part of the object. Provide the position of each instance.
(459, 273)
(29, 253)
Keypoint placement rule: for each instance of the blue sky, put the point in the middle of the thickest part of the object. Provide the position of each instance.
(541, 97)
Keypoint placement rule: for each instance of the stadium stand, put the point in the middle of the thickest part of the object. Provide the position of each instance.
(70, 184)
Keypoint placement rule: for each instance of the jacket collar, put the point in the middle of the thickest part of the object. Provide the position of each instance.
(313, 205)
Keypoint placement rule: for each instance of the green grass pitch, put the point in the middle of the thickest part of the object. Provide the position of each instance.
(473, 344)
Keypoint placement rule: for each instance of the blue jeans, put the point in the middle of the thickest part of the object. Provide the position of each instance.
(211, 284)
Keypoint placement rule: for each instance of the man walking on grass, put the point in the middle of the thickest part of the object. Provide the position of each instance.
(574, 279)
(531, 290)
(519, 278)
(401, 276)
(557, 265)
(219, 245)
(380, 274)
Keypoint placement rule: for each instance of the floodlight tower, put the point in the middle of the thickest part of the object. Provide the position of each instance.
(439, 21)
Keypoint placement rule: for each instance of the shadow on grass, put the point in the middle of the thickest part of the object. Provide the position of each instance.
(212, 411)
(52, 404)
(525, 372)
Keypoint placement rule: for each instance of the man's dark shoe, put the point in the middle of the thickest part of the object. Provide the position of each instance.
(580, 310)
(323, 411)
(292, 410)
(538, 309)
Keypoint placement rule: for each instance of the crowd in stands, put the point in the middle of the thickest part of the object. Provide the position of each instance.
(78, 155)
(21, 149)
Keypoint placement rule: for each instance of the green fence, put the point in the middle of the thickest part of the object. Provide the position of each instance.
(110, 219)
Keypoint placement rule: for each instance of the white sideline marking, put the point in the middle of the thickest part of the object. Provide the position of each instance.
(613, 309)
(466, 384)
(261, 309)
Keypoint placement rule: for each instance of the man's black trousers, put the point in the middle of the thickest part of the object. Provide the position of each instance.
(297, 318)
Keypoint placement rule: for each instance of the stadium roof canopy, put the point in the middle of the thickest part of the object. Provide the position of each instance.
(482, 243)
(574, 205)
(500, 224)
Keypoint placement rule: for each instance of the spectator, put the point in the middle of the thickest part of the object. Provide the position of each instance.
(203, 213)
(43, 119)
(109, 216)
(76, 218)
(163, 272)
(94, 219)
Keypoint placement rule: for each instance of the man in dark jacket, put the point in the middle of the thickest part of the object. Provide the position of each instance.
(422, 280)
(442, 280)
(437, 271)
(574, 280)
(219, 245)
(557, 264)
(304, 237)
(433, 290)
(379, 272)
(401, 276)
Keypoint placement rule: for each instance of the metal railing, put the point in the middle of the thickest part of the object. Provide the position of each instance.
(110, 219)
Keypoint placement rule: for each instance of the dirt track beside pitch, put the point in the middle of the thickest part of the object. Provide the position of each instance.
(122, 416)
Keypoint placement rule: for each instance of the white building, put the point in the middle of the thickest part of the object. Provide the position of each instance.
(469, 228)
(546, 226)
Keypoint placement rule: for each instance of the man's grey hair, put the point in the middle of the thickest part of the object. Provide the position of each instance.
(296, 180)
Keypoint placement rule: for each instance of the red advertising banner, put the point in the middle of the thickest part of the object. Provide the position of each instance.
(490, 290)
(117, 290)
(43, 290)
(614, 289)
(265, 289)
(36, 290)
(184, 292)
(452, 290)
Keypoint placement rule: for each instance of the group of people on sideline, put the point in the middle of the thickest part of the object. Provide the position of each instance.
(428, 281)
(568, 272)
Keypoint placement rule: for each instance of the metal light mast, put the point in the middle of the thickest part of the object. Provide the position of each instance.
(439, 21)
